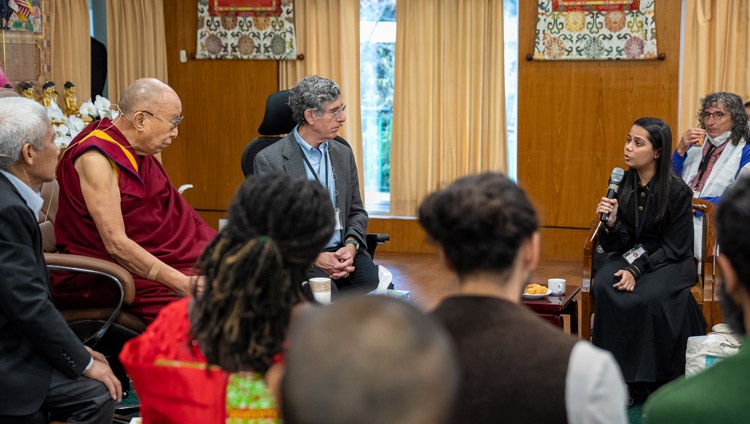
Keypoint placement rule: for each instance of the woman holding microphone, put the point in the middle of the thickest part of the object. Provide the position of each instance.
(645, 311)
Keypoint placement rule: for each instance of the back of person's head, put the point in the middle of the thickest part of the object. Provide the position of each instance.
(22, 121)
(142, 94)
(254, 269)
(368, 360)
(733, 236)
(480, 222)
(312, 92)
(734, 106)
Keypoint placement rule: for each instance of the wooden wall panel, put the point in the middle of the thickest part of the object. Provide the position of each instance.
(407, 236)
(573, 119)
(223, 103)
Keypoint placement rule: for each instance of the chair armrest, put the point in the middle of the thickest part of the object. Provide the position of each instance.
(378, 238)
(115, 273)
(372, 240)
(588, 255)
(87, 264)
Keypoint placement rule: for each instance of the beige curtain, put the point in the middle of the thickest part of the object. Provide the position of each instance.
(136, 43)
(71, 47)
(328, 37)
(449, 100)
(715, 54)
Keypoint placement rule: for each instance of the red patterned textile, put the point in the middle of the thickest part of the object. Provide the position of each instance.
(595, 5)
(176, 385)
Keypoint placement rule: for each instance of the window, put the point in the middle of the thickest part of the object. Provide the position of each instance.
(377, 47)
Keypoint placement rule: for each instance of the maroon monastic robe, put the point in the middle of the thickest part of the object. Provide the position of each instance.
(156, 217)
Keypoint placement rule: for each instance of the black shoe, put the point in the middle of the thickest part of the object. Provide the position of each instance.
(638, 392)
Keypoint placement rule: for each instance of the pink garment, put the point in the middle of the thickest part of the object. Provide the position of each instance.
(3, 79)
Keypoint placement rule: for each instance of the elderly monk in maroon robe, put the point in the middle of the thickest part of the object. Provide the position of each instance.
(117, 203)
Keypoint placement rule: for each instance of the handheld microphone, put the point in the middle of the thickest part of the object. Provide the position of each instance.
(614, 184)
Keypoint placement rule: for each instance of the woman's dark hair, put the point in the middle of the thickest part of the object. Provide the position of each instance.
(733, 104)
(660, 137)
(254, 269)
(732, 223)
(480, 221)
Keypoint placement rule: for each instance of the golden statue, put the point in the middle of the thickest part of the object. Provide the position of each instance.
(71, 104)
(27, 90)
(50, 95)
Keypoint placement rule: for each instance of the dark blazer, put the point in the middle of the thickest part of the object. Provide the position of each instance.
(285, 156)
(34, 337)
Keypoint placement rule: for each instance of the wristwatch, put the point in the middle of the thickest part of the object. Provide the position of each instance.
(354, 242)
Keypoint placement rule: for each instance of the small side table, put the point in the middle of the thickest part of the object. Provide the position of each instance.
(551, 308)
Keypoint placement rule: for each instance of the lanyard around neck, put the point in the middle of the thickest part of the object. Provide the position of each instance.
(309, 166)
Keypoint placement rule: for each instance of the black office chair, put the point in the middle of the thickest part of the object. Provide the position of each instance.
(277, 123)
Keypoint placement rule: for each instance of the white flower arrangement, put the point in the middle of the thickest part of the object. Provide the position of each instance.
(99, 109)
(68, 127)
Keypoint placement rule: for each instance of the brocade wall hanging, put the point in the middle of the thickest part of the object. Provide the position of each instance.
(246, 29)
(595, 30)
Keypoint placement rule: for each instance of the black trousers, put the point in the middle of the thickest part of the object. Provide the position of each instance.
(80, 400)
(363, 280)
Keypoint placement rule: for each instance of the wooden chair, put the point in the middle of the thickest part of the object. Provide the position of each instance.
(703, 291)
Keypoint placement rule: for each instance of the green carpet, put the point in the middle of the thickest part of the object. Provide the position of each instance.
(635, 414)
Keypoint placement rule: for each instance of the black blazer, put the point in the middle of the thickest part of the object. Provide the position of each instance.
(34, 337)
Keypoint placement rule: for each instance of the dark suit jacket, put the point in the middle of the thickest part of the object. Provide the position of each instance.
(34, 337)
(285, 156)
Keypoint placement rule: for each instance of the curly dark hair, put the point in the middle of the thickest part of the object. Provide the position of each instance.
(480, 221)
(254, 268)
(733, 104)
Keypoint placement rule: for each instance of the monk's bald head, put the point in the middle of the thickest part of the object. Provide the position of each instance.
(145, 93)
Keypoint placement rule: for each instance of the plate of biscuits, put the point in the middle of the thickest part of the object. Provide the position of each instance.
(535, 291)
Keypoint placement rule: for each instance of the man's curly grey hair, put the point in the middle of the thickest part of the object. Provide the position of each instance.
(312, 92)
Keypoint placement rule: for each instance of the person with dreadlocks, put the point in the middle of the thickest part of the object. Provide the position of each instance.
(204, 357)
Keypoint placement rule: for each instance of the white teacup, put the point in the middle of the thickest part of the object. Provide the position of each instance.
(321, 289)
(556, 285)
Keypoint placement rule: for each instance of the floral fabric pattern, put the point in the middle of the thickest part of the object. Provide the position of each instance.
(242, 32)
(595, 30)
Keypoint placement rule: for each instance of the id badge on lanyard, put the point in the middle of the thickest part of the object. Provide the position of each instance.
(339, 227)
(636, 252)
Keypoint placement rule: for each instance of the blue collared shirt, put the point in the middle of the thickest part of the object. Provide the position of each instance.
(32, 198)
(320, 161)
